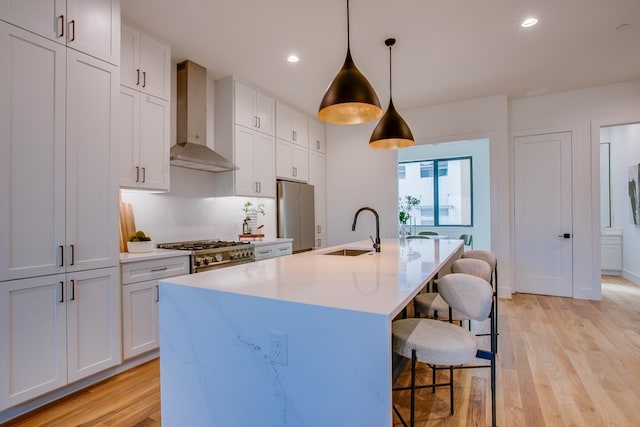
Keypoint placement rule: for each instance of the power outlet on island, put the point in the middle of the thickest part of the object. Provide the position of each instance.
(278, 347)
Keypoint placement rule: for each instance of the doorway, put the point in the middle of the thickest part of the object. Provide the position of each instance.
(543, 214)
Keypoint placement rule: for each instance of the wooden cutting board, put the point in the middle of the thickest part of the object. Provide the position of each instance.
(127, 224)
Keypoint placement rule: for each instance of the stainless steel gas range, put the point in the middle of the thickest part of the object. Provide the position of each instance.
(213, 254)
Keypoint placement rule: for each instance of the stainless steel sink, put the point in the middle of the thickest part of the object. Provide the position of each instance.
(349, 252)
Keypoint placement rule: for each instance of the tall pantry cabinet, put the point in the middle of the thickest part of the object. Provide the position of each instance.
(59, 284)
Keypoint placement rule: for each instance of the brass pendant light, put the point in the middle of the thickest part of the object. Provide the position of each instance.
(392, 131)
(350, 98)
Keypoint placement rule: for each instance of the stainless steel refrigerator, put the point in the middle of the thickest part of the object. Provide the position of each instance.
(296, 214)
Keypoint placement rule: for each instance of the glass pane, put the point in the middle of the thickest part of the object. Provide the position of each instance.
(454, 192)
(418, 183)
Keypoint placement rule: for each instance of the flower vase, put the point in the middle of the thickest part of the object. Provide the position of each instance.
(403, 231)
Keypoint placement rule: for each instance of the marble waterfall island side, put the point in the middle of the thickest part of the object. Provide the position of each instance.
(301, 340)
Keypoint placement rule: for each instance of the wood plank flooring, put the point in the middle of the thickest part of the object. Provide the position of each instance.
(562, 362)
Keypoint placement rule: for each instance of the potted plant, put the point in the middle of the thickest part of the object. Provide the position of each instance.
(405, 206)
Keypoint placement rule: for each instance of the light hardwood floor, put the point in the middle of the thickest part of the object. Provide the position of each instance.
(562, 362)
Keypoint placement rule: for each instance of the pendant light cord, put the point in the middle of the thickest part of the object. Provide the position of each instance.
(348, 29)
(390, 80)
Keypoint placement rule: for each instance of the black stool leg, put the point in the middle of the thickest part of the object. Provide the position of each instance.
(451, 387)
(413, 386)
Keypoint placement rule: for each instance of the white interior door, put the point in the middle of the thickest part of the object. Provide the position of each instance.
(543, 214)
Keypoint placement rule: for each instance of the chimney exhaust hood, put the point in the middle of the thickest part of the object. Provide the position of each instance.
(191, 151)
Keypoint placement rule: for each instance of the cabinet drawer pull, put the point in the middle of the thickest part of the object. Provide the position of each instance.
(263, 252)
(73, 291)
(73, 254)
(61, 292)
(154, 270)
(61, 256)
(137, 173)
(61, 20)
(72, 23)
(283, 249)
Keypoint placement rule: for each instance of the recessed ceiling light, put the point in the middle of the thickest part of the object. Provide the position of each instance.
(293, 58)
(529, 22)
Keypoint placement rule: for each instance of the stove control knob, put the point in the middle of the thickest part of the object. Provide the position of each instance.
(218, 257)
(205, 261)
(198, 261)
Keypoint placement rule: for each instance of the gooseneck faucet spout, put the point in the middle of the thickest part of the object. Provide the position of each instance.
(376, 242)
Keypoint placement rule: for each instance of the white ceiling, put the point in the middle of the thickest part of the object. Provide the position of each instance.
(446, 50)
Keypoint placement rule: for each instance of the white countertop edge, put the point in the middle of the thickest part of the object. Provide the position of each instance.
(126, 257)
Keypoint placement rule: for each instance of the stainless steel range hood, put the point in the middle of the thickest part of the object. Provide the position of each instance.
(191, 150)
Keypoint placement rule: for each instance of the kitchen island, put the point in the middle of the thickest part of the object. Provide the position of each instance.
(301, 340)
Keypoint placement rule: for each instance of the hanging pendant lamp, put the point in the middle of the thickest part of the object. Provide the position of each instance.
(392, 131)
(350, 98)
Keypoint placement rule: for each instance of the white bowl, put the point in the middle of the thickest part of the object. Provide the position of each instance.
(138, 247)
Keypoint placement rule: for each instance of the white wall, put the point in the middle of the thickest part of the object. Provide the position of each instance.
(625, 152)
(581, 112)
(359, 176)
(189, 212)
(478, 149)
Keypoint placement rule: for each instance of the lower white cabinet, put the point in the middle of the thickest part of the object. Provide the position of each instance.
(321, 242)
(611, 252)
(140, 298)
(55, 330)
(272, 250)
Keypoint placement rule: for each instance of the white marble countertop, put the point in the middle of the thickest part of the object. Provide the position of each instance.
(380, 283)
(126, 257)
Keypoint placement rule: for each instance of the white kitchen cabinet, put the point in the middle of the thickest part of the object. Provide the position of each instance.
(55, 330)
(291, 125)
(254, 156)
(316, 136)
(145, 63)
(144, 141)
(292, 161)
(272, 250)
(253, 109)
(317, 178)
(57, 159)
(321, 242)
(88, 26)
(140, 297)
(611, 253)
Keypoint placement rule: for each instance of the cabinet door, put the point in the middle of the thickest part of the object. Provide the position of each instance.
(283, 122)
(317, 177)
(93, 27)
(33, 350)
(265, 111)
(244, 105)
(129, 57)
(264, 165)
(316, 136)
(154, 143)
(300, 128)
(300, 163)
(91, 168)
(43, 17)
(155, 66)
(284, 159)
(32, 159)
(93, 322)
(140, 318)
(245, 183)
(128, 144)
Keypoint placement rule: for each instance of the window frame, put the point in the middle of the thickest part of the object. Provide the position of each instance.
(436, 195)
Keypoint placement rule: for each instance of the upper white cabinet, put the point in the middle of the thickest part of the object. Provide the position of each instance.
(145, 63)
(292, 161)
(253, 109)
(246, 143)
(89, 26)
(58, 116)
(291, 125)
(316, 136)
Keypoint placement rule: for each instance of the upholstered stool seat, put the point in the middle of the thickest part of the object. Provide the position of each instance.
(440, 343)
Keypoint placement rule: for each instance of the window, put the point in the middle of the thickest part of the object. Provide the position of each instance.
(445, 199)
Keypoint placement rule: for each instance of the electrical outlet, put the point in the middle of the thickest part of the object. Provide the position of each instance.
(278, 347)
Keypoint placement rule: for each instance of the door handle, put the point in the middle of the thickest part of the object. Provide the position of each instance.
(565, 235)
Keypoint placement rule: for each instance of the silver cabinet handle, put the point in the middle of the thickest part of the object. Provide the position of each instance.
(293, 135)
(73, 254)
(317, 144)
(73, 291)
(319, 243)
(259, 123)
(283, 249)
